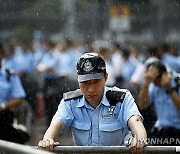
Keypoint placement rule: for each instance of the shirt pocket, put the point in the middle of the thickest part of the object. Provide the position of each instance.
(111, 134)
(81, 133)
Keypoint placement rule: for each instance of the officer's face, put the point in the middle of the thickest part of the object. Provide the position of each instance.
(163, 80)
(93, 90)
(157, 81)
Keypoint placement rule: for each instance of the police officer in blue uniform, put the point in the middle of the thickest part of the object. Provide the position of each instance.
(97, 115)
(11, 96)
(48, 67)
(162, 88)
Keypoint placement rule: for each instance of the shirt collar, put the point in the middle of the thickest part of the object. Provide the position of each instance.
(104, 101)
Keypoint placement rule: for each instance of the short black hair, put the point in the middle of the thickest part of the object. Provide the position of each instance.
(49, 43)
(9, 47)
(1, 49)
(160, 66)
(165, 47)
(152, 51)
(126, 53)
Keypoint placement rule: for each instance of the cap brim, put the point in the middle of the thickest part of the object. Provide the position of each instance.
(86, 77)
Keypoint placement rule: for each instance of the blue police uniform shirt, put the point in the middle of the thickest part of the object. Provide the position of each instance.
(167, 113)
(96, 127)
(24, 61)
(50, 59)
(171, 61)
(10, 89)
(129, 68)
(38, 53)
(9, 63)
(67, 62)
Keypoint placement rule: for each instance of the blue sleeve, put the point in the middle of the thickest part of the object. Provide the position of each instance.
(128, 109)
(64, 114)
(151, 93)
(32, 63)
(17, 90)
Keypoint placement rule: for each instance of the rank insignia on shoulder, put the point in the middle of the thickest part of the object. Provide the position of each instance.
(72, 94)
(115, 96)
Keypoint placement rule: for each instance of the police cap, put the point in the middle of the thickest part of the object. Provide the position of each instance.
(90, 66)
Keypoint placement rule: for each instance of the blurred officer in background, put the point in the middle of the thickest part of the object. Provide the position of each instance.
(162, 88)
(105, 53)
(11, 96)
(166, 56)
(96, 114)
(48, 67)
(137, 79)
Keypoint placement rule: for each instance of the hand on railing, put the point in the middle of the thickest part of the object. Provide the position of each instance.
(48, 144)
(136, 145)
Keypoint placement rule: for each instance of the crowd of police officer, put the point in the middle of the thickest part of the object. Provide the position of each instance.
(51, 69)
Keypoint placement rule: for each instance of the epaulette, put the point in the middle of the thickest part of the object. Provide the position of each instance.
(9, 73)
(115, 96)
(72, 94)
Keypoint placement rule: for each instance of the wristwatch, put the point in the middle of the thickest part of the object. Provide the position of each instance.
(170, 90)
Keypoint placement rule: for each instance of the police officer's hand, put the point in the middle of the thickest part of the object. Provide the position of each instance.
(135, 145)
(45, 69)
(151, 73)
(48, 144)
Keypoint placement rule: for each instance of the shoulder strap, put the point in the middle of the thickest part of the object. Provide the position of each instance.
(115, 96)
(9, 73)
(72, 94)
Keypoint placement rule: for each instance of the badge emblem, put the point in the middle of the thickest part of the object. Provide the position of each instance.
(88, 66)
(111, 110)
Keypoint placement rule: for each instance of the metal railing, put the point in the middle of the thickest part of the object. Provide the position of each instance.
(114, 149)
(14, 148)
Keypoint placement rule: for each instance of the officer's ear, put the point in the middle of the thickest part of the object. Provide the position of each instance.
(106, 76)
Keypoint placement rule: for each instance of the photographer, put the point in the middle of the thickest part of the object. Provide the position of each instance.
(162, 88)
